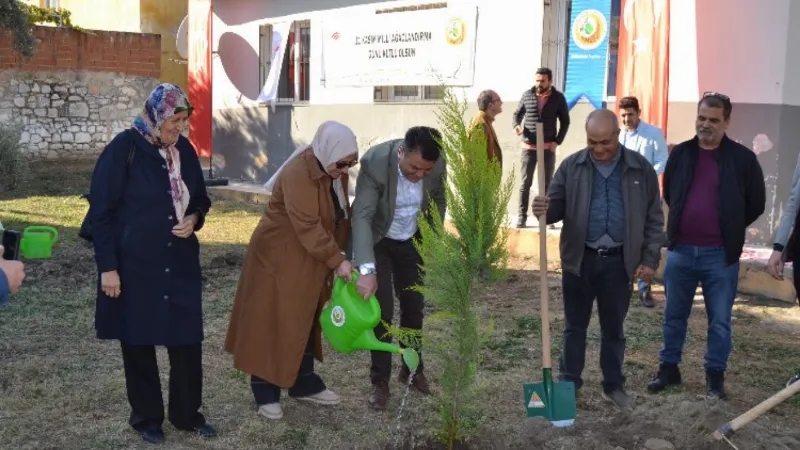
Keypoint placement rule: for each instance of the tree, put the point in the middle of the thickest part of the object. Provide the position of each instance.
(15, 17)
(19, 18)
(477, 200)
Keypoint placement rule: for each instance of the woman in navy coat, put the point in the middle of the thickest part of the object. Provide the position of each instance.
(148, 198)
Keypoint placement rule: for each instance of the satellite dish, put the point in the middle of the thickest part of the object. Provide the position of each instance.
(182, 39)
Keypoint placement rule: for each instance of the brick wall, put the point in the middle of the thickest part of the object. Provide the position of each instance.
(79, 89)
(99, 51)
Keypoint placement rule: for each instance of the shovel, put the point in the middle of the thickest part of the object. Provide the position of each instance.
(725, 431)
(553, 401)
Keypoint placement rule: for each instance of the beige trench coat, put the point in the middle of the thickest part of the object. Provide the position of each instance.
(286, 274)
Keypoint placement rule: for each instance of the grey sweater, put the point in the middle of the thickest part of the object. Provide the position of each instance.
(789, 213)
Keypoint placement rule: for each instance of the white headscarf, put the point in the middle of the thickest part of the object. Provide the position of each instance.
(332, 142)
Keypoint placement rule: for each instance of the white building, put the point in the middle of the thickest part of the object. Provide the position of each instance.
(737, 47)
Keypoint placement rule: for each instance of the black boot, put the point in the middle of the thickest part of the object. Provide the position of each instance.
(715, 384)
(668, 375)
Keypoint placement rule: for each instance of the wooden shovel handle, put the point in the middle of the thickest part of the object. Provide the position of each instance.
(544, 308)
(729, 428)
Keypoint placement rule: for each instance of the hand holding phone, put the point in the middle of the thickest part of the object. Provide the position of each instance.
(13, 270)
(11, 241)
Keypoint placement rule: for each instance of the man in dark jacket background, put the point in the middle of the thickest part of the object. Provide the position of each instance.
(715, 189)
(545, 101)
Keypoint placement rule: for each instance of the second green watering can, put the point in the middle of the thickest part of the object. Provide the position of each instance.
(38, 241)
(348, 323)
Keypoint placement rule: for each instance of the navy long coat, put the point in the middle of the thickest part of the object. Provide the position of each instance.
(132, 219)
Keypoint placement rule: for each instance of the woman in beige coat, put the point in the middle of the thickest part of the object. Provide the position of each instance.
(273, 333)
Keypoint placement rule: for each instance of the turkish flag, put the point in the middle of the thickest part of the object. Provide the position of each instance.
(643, 57)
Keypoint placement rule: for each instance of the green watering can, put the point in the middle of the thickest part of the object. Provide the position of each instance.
(348, 323)
(37, 242)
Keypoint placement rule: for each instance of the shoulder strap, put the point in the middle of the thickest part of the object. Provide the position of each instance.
(131, 151)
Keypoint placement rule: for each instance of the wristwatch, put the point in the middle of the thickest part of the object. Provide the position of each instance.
(366, 270)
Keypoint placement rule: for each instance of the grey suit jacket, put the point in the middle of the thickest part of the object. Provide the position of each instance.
(376, 191)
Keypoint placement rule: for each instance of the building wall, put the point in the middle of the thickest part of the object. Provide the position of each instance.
(251, 141)
(164, 17)
(758, 76)
(79, 89)
(135, 16)
(758, 69)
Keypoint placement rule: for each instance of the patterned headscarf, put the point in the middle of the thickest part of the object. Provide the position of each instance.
(165, 101)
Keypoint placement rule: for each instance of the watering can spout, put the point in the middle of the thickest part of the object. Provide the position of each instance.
(368, 341)
(348, 323)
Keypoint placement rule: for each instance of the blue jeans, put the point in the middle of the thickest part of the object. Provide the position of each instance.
(686, 267)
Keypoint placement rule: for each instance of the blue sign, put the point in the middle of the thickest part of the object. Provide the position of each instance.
(588, 51)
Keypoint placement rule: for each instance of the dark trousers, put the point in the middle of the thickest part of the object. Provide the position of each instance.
(686, 267)
(527, 167)
(307, 383)
(603, 277)
(144, 386)
(397, 264)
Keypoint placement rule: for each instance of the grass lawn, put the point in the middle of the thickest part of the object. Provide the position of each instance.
(61, 388)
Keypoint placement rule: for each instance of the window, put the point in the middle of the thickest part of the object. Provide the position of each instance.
(49, 4)
(409, 93)
(295, 79)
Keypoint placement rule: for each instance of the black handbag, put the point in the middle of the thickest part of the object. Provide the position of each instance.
(85, 232)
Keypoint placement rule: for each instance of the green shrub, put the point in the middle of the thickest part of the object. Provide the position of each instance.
(13, 163)
(477, 201)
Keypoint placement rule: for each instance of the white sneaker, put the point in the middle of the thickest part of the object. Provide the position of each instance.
(272, 411)
(325, 397)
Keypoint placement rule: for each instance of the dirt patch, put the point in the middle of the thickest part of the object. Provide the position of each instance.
(70, 265)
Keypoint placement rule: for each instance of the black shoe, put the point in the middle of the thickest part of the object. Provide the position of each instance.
(205, 430)
(647, 299)
(521, 220)
(715, 384)
(668, 375)
(620, 399)
(153, 436)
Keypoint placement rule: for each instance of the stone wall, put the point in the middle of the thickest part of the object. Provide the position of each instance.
(79, 90)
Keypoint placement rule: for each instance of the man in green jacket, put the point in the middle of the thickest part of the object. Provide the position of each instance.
(397, 182)
(608, 198)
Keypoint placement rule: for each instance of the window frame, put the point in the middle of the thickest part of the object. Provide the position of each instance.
(297, 57)
(424, 94)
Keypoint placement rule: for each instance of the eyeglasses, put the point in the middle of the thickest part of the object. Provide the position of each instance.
(722, 97)
(348, 165)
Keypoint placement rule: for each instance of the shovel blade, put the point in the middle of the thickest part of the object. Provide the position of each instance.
(555, 401)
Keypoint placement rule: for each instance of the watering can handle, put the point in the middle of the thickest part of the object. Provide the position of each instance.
(51, 230)
(373, 301)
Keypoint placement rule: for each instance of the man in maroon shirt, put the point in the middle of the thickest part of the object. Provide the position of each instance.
(714, 188)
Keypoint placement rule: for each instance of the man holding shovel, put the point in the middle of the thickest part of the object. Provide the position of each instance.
(608, 199)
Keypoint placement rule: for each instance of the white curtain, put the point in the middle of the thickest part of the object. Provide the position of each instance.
(280, 36)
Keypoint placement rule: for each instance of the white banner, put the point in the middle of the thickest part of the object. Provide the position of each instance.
(425, 47)
(280, 35)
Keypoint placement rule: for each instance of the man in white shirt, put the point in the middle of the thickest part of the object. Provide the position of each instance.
(648, 141)
(396, 183)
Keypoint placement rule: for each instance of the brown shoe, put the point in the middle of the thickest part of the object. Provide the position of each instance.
(420, 382)
(379, 397)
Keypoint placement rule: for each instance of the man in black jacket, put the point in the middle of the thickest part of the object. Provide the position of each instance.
(542, 100)
(714, 188)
